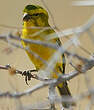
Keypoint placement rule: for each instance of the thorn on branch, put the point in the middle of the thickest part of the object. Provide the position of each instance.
(78, 67)
(11, 70)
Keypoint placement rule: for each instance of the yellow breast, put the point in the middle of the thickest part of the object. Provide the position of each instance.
(44, 52)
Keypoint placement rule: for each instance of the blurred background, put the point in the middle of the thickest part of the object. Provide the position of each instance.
(66, 16)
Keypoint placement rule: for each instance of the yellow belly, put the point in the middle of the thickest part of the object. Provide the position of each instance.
(44, 52)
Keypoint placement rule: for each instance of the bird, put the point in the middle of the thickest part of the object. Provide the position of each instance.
(37, 16)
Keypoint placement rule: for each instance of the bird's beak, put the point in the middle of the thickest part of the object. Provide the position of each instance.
(26, 17)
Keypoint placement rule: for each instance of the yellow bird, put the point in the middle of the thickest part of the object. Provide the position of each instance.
(36, 16)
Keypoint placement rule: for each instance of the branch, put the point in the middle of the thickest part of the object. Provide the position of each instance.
(46, 82)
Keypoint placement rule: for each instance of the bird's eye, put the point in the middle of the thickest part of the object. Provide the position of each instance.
(36, 14)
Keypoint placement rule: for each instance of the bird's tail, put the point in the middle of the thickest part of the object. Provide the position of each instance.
(64, 91)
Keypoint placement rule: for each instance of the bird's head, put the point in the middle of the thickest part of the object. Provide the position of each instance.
(35, 14)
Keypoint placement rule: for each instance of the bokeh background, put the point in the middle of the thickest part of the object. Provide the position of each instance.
(66, 16)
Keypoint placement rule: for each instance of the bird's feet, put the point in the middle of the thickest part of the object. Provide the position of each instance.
(28, 75)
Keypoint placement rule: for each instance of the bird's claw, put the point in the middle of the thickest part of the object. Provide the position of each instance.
(27, 75)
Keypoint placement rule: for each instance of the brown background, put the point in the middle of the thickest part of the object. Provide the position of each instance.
(65, 16)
